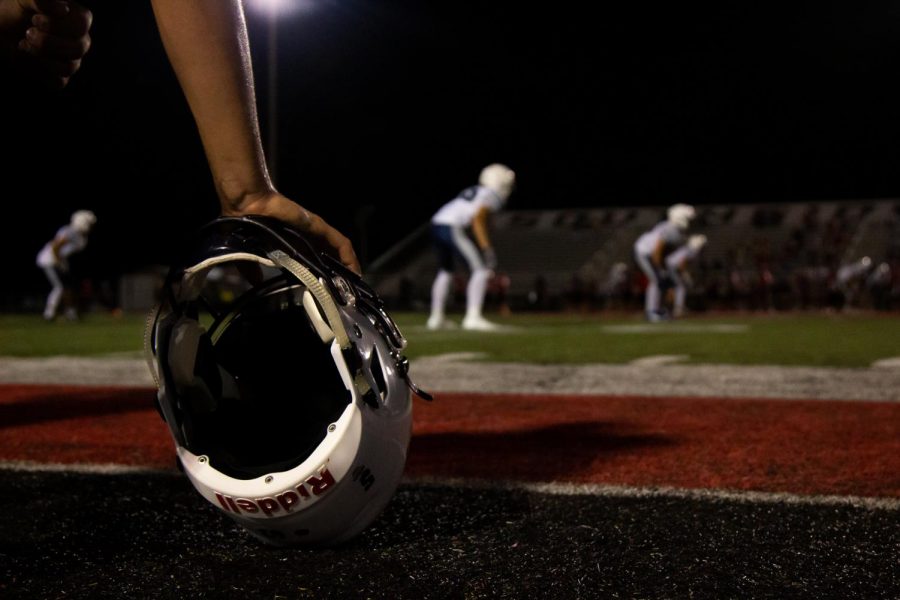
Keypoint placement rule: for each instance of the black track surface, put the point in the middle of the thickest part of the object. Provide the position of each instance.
(151, 536)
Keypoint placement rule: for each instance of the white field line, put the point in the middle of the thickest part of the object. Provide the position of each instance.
(675, 328)
(619, 491)
(31, 466)
(459, 372)
(550, 488)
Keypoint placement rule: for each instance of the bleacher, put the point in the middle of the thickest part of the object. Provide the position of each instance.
(579, 247)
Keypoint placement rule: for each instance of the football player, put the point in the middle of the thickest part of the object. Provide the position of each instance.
(450, 228)
(678, 272)
(54, 260)
(651, 249)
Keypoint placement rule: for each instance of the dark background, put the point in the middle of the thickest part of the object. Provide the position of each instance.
(387, 108)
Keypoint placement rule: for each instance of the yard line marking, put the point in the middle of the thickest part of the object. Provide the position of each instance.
(548, 488)
(658, 360)
(887, 363)
(31, 466)
(620, 491)
(676, 328)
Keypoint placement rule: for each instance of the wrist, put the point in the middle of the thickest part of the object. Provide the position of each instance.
(238, 195)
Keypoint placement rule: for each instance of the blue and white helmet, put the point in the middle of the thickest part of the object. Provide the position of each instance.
(282, 382)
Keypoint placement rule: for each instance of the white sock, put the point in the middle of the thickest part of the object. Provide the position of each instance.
(680, 293)
(439, 291)
(652, 301)
(475, 292)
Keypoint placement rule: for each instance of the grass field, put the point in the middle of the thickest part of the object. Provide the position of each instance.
(807, 339)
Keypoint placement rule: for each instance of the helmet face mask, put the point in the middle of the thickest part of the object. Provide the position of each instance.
(282, 383)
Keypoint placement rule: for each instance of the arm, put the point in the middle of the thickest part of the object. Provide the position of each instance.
(206, 41)
(480, 228)
(656, 257)
(46, 38)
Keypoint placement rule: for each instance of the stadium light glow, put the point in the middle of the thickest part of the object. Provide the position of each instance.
(281, 7)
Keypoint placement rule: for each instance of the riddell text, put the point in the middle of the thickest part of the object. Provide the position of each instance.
(283, 502)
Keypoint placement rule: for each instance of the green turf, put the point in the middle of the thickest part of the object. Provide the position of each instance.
(821, 340)
(27, 335)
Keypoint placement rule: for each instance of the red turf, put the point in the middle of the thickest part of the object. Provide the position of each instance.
(803, 447)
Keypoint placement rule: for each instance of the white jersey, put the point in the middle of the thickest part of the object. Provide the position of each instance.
(460, 211)
(75, 242)
(666, 231)
(675, 260)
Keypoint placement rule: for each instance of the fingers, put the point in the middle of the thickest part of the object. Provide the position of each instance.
(54, 47)
(58, 8)
(337, 241)
(321, 233)
(57, 40)
(75, 23)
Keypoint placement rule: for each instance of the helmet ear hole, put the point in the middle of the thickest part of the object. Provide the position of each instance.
(378, 374)
(193, 366)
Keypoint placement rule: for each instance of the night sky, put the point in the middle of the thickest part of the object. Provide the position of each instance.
(387, 108)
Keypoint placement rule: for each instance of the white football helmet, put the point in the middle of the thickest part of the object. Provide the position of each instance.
(83, 220)
(283, 384)
(499, 178)
(681, 215)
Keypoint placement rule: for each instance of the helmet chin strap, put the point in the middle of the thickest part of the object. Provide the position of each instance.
(318, 290)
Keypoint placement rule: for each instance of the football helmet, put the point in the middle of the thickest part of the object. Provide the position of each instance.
(83, 220)
(282, 382)
(681, 215)
(500, 178)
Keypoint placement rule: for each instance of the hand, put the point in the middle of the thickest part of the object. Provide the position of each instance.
(50, 37)
(275, 205)
(489, 257)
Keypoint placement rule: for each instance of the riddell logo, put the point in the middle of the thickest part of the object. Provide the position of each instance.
(284, 502)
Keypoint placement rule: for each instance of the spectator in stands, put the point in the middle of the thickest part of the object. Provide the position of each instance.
(651, 249)
(451, 225)
(53, 259)
(679, 275)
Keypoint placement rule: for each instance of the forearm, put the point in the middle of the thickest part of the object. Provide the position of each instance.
(480, 231)
(206, 41)
(656, 257)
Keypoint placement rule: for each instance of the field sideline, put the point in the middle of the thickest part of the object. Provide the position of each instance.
(765, 466)
(821, 340)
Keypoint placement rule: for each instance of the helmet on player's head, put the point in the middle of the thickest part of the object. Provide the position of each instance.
(282, 382)
(696, 242)
(681, 215)
(499, 178)
(83, 220)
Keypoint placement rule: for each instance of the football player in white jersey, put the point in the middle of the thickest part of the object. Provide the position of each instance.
(54, 260)
(679, 275)
(450, 225)
(651, 249)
